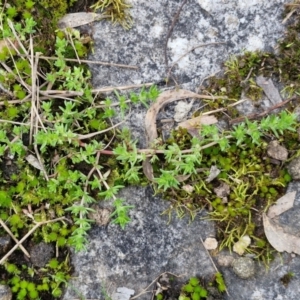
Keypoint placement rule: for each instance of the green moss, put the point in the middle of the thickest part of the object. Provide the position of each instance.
(116, 10)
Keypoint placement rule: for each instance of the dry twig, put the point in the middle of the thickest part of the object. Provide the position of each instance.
(13, 237)
(33, 229)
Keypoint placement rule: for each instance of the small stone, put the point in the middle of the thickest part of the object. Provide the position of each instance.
(210, 244)
(243, 267)
(123, 293)
(275, 150)
(5, 292)
(100, 215)
(225, 260)
(4, 243)
(294, 168)
(41, 253)
(181, 110)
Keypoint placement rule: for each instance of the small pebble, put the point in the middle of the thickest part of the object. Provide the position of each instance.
(243, 267)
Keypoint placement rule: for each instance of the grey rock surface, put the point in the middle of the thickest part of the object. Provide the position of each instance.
(41, 253)
(5, 292)
(148, 246)
(5, 242)
(294, 168)
(266, 284)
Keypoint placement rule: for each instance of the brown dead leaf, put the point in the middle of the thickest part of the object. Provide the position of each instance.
(275, 150)
(181, 178)
(283, 204)
(222, 191)
(78, 19)
(269, 89)
(32, 160)
(279, 238)
(213, 173)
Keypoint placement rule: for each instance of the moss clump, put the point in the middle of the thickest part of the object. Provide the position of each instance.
(116, 10)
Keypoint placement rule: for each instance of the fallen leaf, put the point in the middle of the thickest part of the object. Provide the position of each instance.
(269, 89)
(275, 150)
(181, 178)
(210, 244)
(222, 191)
(213, 173)
(282, 204)
(241, 245)
(279, 238)
(78, 19)
(32, 160)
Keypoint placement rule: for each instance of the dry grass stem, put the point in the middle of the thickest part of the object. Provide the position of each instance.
(13, 237)
(33, 229)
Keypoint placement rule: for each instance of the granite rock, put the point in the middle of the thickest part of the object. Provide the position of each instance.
(41, 253)
(5, 292)
(294, 168)
(238, 24)
(150, 245)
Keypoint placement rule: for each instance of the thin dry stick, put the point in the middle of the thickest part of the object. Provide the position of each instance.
(260, 115)
(13, 122)
(212, 261)
(13, 237)
(19, 79)
(87, 183)
(144, 291)
(35, 117)
(93, 62)
(61, 93)
(72, 43)
(33, 111)
(120, 88)
(186, 53)
(89, 135)
(171, 30)
(151, 152)
(34, 228)
(289, 15)
(10, 24)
